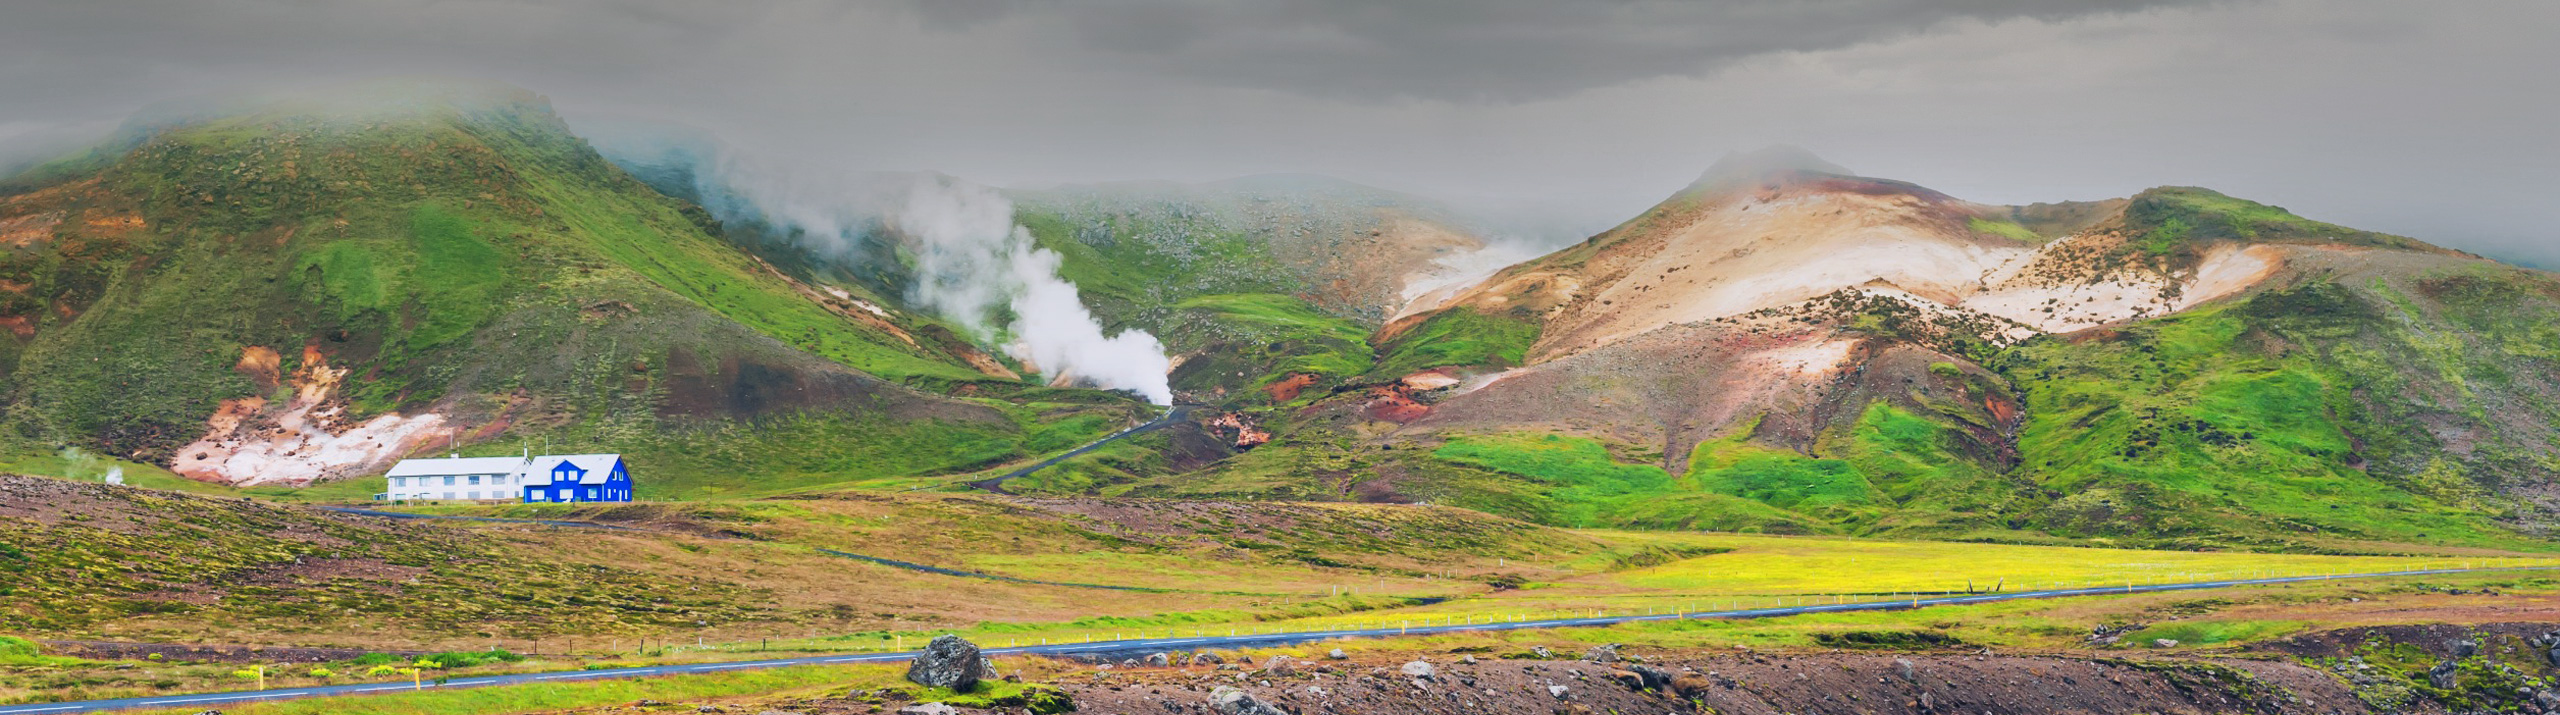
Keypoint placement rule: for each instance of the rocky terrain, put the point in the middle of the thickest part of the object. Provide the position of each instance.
(2397, 669)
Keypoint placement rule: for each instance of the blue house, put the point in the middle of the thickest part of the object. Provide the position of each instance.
(576, 478)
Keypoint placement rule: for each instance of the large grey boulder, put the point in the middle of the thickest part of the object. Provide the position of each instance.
(1602, 653)
(948, 662)
(2442, 676)
(929, 709)
(1419, 669)
(1229, 700)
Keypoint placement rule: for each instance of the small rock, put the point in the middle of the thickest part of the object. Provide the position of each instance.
(947, 662)
(1902, 666)
(1158, 660)
(646, 703)
(929, 709)
(1418, 669)
(2164, 643)
(1654, 678)
(1228, 700)
(1628, 678)
(1207, 658)
(1280, 666)
(1337, 654)
(1467, 659)
(1602, 654)
(709, 709)
(2441, 676)
(2463, 648)
(1541, 652)
(1558, 691)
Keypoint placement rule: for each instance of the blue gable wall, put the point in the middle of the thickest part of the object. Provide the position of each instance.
(564, 485)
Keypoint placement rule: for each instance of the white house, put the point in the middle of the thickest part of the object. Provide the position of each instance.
(457, 479)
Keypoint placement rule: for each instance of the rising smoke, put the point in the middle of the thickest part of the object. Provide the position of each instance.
(971, 259)
(972, 264)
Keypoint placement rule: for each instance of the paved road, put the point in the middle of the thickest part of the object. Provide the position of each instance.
(996, 483)
(1146, 645)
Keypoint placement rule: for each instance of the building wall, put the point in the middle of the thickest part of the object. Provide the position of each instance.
(458, 487)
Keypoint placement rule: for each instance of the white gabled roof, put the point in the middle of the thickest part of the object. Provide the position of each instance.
(597, 466)
(455, 465)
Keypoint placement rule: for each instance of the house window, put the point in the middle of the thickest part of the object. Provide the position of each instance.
(448, 481)
(534, 496)
(591, 492)
(498, 479)
(475, 495)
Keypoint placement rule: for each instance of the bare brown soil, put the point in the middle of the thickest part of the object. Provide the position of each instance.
(1725, 683)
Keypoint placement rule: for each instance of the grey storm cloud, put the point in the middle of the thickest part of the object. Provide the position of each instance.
(2427, 119)
(1475, 49)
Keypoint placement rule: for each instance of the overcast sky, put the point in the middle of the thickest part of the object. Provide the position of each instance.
(2434, 119)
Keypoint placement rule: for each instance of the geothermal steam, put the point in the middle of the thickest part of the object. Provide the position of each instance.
(974, 266)
(971, 259)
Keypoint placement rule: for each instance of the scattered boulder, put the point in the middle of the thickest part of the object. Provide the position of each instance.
(1467, 659)
(2463, 648)
(709, 709)
(929, 709)
(2550, 645)
(1206, 658)
(1337, 654)
(1159, 660)
(1418, 669)
(1602, 653)
(1280, 666)
(1902, 667)
(1627, 678)
(1652, 678)
(2164, 643)
(1541, 652)
(2441, 676)
(1229, 700)
(947, 662)
(1691, 687)
(1559, 692)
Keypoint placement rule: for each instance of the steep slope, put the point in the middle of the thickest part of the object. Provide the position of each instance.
(1786, 347)
(304, 290)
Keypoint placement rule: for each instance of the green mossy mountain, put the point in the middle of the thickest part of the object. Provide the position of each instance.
(464, 254)
(2374, 394)
(468, 256)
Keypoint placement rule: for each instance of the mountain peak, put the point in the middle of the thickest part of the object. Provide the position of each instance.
(1768, 162)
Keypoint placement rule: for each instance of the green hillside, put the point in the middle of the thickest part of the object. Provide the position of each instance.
(466, 255)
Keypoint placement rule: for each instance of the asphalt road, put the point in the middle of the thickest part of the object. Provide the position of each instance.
(996, 483)
(1146, 645)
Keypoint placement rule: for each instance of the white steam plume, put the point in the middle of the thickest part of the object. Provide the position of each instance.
(971, 258)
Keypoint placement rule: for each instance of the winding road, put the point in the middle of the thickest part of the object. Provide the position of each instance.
(996, 483)
(1145, 645)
